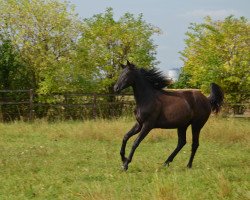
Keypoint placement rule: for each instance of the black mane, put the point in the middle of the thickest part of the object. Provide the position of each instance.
(155, 78)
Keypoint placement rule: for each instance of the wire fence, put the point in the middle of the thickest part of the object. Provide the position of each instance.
(27, 105)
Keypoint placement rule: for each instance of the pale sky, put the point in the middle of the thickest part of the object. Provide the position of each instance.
(172, 17)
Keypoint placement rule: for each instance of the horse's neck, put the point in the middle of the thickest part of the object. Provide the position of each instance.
(143, 91)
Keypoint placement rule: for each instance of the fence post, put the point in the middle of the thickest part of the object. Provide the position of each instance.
(94, 105)
(31, 105)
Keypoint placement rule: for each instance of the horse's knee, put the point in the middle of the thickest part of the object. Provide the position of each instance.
(125, 138)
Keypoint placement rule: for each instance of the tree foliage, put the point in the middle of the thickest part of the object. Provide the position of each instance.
(45, 33)
(13, 74)
(61, 53)
(106, 43)
(218, 51)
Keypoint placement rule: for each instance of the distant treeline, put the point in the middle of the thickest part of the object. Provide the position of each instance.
(46, 47)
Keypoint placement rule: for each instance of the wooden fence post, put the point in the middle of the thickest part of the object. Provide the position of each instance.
(31, 105)
(94, 106)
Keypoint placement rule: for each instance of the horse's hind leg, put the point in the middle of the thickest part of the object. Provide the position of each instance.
(181, 142)
(195, 143)
(136, 129)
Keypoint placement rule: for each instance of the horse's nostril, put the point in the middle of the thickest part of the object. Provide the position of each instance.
(116, 88)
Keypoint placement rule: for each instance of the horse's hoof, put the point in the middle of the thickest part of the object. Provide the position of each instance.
(124, 167)
(189, 166)
(166, 164)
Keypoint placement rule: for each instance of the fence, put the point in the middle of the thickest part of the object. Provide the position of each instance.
(26, 105)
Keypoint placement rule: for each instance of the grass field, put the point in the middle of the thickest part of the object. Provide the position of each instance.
(80, 160)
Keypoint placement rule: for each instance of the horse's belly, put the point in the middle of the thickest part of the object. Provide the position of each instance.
(174, 117)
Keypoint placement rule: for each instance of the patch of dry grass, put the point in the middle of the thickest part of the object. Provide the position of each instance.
(229, 130)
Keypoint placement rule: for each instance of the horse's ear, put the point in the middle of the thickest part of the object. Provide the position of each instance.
(130, 65)
(122, 66)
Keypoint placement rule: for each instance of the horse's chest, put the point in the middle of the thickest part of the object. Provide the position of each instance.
(144, 113)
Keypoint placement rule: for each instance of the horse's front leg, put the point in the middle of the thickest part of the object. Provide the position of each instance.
(145, 130)
(136, 129)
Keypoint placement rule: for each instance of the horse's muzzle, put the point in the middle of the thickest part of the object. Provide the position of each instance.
(117, 89)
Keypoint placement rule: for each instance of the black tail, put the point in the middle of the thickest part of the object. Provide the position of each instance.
(216, 97)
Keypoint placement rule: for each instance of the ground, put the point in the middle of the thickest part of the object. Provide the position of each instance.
(80, 160)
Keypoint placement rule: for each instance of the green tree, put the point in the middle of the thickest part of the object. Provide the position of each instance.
(218, 51)
(106, 43)
(13, 74)
(183, 81)
(45, 33)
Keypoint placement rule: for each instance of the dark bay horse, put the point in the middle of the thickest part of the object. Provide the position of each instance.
(156, 108)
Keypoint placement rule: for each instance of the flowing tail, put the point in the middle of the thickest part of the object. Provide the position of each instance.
(216, 97)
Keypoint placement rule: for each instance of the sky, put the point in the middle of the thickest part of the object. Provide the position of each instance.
(172, 17)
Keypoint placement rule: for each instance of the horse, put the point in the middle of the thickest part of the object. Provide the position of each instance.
(159, 108)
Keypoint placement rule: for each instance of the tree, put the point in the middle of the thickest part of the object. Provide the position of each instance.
(45, 33)
(106, 43)
(218, 51)
(183, 81)
(13, 74)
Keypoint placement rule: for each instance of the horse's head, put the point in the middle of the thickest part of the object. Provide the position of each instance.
(126, 78)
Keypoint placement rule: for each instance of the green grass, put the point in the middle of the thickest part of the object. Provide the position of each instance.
(80, 160)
